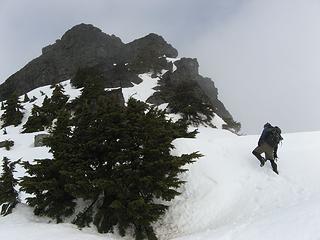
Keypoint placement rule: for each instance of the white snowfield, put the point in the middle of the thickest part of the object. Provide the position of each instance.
(228, 196)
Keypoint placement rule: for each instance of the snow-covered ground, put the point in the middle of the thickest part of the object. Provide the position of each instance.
(228, 196)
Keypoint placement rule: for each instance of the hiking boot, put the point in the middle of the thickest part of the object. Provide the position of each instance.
(262, 162)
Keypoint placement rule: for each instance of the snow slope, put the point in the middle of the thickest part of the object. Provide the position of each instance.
(227, 195)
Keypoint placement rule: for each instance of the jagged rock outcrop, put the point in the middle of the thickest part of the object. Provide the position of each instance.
(38, 139)
(84, 46)
(188, 71)
(152, 44)
(87, 47)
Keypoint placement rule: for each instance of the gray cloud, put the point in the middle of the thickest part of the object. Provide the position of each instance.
(27, 26)
(262, 55)
(265, 62)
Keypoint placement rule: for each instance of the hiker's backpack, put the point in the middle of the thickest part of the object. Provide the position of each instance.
(274, 137)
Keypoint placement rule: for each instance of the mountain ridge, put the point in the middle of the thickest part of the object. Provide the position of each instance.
(82, 46)
(86, 46)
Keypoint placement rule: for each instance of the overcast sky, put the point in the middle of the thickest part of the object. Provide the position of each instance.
(263, 55)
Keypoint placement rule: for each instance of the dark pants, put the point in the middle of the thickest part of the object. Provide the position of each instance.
(268, 151)
(274, 166)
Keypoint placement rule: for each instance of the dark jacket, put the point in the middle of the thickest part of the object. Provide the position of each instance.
(264, 135)
(264, 139)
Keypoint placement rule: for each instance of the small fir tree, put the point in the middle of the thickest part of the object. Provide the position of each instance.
(46, 180)
(33, 99)
(194, 107)
(26, 98)
(36, 121)
(51, 106)
(46, 103)
(92, 90)
(9, 197)
(148, 171)
(8, 144)
(86, 76)
(58, 99)
(93, 155)
(116, 158)
(2, 106)
(231, 125)
(42, 117)
(12, 114)
(125, 155)
(47, 111)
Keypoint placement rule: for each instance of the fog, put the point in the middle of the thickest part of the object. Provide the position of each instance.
(265, 62)
(262, 55)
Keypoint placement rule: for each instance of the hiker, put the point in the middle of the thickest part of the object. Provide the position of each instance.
(268, 144)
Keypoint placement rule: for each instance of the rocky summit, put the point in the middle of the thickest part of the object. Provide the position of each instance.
(87, 47)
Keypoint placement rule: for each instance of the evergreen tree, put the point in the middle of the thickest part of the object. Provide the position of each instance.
(194, 108)
(51, 106)
(2, 106)
(8, 144)
(12, 114)
(9, 197)
(46, 180)
(42, 117)
(116, 158)
(146, 169)
(46, 112)
(26, 98)
(231, 125)
(125, 155)
(96, 144)
(36, 121)
(58, 99)
(33, 99)
(86, 76)
(148, 61)
(86, 112)
(93, 89)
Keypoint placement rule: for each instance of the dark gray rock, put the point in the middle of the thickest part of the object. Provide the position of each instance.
(120, 76)
(152, 44)
(38, 139)
(188, 71)
(117, 96)
(156, 99)
(85, 46)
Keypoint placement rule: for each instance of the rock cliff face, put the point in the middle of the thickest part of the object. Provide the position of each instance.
(187, 70)
(82, 46)
(85, 46)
